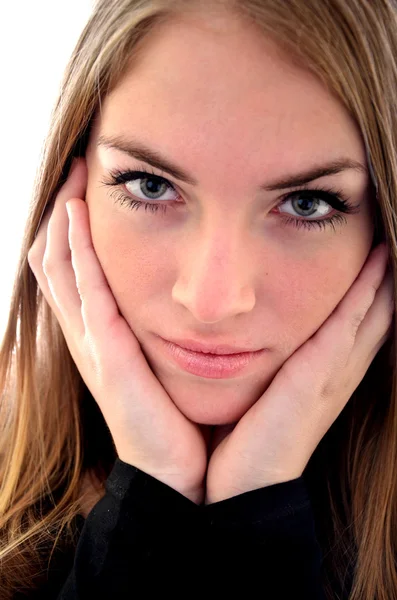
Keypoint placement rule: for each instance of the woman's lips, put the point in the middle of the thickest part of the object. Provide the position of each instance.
(214, 366)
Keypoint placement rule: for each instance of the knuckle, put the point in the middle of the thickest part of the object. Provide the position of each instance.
(360, 313)
(33, 255)
(356, 321)
(48, 266)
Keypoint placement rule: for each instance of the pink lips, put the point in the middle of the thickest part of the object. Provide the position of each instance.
(215, 366)
(211, 348)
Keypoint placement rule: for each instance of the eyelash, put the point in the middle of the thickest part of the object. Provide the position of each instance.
(335, 198)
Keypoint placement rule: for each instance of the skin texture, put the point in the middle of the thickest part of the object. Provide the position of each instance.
(232, 110)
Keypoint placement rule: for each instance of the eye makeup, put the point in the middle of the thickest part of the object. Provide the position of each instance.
(315, 195)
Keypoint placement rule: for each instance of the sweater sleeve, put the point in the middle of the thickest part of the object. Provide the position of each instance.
(143, 535)
(266, 537)
(129, 536)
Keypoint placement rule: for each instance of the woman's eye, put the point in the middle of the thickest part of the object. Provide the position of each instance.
(150, 187)
(303, 204)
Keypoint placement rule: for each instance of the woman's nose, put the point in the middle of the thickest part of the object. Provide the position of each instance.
(215, 280)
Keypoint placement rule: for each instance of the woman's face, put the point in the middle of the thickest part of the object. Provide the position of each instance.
(223, 264)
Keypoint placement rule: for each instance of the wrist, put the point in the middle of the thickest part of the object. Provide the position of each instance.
(194, 493)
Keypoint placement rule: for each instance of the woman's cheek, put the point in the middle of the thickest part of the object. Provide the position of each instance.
(136, 269)
(299, 297)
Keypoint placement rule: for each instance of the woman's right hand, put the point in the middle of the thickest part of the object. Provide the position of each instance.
(148, 430)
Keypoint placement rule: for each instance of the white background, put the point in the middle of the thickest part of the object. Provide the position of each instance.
(37, 38)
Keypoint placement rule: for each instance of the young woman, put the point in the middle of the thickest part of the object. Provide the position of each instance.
(198, 372)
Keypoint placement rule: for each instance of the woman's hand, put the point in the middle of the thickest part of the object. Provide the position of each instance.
(274, 440)
(148, 430)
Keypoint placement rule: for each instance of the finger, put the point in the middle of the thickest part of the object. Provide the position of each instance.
(361, 296)
(375, 328)
(98, 305)
(57, 264)
(37, 252)
(35, 260)
(338, 334)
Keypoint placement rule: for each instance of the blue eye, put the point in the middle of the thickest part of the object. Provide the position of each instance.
(152, 182)
(319, 199)
(314, 195)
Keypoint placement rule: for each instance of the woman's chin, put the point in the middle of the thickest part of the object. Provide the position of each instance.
(211, 403)
(207, 414)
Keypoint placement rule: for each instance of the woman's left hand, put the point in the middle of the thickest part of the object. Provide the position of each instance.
(273, 442)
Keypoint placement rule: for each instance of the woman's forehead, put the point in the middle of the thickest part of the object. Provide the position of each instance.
(234, 97)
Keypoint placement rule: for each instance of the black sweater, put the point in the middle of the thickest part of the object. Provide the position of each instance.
(144, 537)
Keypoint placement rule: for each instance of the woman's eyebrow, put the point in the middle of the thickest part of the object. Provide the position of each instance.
(140, 151)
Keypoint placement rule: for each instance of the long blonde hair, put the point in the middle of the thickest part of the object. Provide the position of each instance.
(51, 430)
